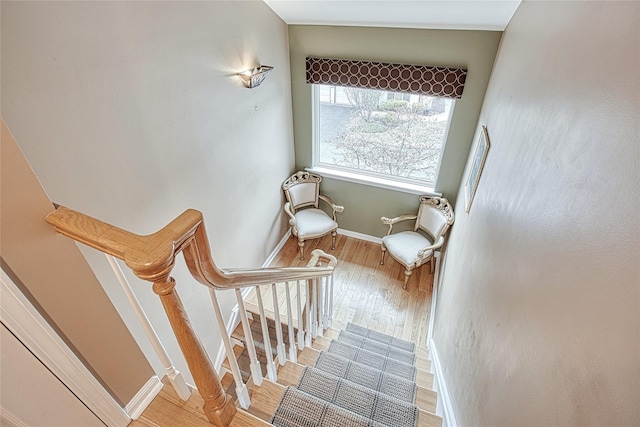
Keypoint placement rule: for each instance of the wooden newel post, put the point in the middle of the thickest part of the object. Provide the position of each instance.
(218, 406)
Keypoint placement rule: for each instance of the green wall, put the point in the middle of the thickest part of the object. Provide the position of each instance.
(474, 50)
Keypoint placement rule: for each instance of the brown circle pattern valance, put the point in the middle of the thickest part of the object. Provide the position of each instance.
(416, 79)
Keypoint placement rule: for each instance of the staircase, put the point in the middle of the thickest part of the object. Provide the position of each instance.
(352, 377)
(328, 377)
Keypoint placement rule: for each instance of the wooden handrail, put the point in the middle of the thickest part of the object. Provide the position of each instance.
(152, 258)
(153, 255)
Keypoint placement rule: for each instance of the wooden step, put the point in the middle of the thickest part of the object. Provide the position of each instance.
(423, 377)
(290, 373)
(245, 419)
(323, 343)
(264, 399)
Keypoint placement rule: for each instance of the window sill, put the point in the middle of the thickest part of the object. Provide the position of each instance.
(375, 182)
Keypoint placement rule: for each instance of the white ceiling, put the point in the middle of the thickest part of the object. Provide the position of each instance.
(437, 14)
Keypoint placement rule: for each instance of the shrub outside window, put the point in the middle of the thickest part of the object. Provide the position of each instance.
(389, 135)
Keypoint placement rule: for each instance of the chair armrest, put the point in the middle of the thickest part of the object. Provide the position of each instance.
(438, 244)
(391, 221)
(335, 208)
(288, 211)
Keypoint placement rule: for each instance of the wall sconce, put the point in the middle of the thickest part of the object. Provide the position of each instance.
(253, 78)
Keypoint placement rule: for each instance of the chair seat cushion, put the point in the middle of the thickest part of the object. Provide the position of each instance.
(405, 245)
(313, 222)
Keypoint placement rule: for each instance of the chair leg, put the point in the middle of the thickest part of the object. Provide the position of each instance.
(433, 264)
(407, 274)
(301, 247)
(333, 240)
(383, 252)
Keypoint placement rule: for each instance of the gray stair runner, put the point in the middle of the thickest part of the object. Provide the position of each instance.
(375, 360)
(356, 398)
(298, 409)
(364, 379)
(377, 347)
(375, 379)
(378, 336)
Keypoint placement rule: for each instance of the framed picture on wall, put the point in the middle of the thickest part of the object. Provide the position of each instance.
(482, 147)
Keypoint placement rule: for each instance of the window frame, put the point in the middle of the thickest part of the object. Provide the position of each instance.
(366, 177)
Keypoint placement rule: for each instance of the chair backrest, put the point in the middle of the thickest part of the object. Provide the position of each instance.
(302, 189)
(435, 216)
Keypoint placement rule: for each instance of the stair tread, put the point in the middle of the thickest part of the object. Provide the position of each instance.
(290, 373)
(367, 376)
(299, 408)
(245, 419)
(337, 343)
(265, 399)
(379, 336)
(422, 361)
(356, 398)
(379, 346)
(398, 368)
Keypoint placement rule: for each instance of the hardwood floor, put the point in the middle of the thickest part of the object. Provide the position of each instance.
(365, 293)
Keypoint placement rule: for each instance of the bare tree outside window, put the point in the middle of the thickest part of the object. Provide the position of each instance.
(383, 133)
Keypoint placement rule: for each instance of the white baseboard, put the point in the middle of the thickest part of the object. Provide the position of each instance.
(275, 250)
(143, 398)
(8, 418)
(360, 236)
(444, 400)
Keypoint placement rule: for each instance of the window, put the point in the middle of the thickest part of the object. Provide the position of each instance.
(379, 134)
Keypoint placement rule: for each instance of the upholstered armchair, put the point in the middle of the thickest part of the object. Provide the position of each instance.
(302, 191)
(415, 248)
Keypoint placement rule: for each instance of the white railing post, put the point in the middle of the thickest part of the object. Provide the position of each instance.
(256, 372)
(308, 336)
(282, 354)
(301, 338)
(271, 367)
(241, 388)
(314, 308)
(174, 376)
(322, 295)
(330, 309)
(293, 353)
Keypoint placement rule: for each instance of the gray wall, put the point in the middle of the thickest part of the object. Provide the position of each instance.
(538, 315)
(474, 50)
(131, 112)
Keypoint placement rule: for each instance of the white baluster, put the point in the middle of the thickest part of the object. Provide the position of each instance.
(282, 353)
(241, 388)
(330, 310)
(300, 320)
(308, 331)
(314, 308)
(323, 304)
(271, 367)
(256, 372)
(174, 376)
(293, 353)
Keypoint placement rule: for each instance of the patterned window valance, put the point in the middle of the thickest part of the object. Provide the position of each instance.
(417, 79)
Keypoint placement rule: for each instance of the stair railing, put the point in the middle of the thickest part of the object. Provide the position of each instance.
(152, 258)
